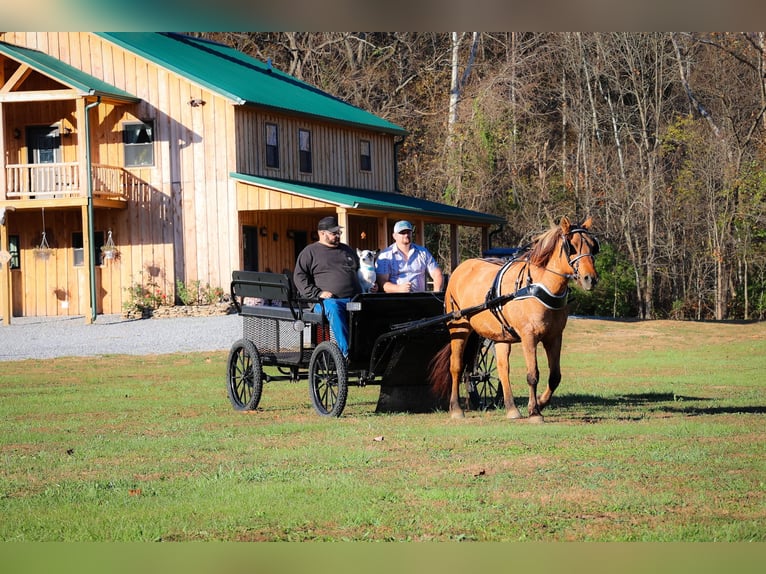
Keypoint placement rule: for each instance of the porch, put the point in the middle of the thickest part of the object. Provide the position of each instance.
(30, 186)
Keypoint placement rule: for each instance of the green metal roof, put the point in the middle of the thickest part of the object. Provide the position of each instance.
(64, 73)
(243, 79)
(375, 201)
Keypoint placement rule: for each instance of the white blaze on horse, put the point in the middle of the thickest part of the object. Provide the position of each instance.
(526, 303)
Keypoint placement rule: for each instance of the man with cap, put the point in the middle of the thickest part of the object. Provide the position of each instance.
(327, 270)
(402, 266)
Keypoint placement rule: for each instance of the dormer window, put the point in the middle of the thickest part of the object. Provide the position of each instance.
(365, 156)
(304, 150)
(272, 146)
(138, 141)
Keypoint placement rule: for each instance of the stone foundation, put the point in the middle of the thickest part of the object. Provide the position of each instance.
(182, 311)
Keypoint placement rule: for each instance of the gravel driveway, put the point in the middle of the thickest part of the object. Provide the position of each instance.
(49, 337)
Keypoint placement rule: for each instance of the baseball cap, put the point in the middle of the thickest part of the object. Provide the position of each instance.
(329, 223)
(402, 226)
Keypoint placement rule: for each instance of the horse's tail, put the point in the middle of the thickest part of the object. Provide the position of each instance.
(439, 374)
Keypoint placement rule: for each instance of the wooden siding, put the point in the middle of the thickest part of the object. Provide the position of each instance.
(279, 215)
(334, 149)
(181, 222)
(185, 215)
(55, 286)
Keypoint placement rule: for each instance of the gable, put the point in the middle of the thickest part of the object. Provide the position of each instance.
(63, 73)
(244, 80)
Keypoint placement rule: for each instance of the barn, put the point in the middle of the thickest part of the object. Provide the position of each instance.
(153, 158)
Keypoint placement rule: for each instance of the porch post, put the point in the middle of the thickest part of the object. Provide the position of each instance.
(5, 276)
(5, 272)
(453, 246)
(83, 161)
(86, 223)
(342, 214)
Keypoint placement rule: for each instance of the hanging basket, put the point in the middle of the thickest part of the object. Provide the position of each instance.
(109, 253)
(109, 249)
(42, 252)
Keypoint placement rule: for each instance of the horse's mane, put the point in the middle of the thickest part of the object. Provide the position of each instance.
(543, 245)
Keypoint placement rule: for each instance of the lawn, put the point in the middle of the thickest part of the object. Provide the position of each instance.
(655, 434)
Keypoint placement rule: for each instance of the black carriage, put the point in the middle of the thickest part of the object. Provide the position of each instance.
(392, 338)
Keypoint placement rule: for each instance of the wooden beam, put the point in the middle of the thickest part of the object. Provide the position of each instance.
(5, 278)
(16, 78)
(86, 265)
(46, 96)
(453, 246)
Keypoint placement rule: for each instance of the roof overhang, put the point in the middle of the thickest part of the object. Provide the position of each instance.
(79, 83)
(376, 201)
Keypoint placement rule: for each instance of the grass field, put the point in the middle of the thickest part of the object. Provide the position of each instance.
(656, 433)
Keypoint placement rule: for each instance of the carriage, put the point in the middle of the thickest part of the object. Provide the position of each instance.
(418, 347)
(391, 340)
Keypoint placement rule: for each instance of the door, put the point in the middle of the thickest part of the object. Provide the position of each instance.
(44, 147)
(250, 247)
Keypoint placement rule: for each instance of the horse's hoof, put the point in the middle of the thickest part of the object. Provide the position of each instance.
(457, 415)
(536, 419)
(513, 414)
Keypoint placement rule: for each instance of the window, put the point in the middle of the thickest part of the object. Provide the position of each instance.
(304, 147)
(13, 248)
(365, 157)
(272, 146)
(78, 249)
(138, 140)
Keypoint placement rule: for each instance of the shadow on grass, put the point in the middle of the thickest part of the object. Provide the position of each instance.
(665, 402)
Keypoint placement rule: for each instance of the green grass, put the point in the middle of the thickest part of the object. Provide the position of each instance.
(656, 434)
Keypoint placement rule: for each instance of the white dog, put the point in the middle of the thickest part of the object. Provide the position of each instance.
(366, 268)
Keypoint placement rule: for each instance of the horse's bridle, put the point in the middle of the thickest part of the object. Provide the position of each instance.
(569, 250)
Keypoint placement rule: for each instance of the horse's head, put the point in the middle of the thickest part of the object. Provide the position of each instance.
(580, 248)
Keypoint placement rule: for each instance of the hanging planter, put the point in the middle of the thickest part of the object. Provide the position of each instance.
(43, 251)
(109, 249)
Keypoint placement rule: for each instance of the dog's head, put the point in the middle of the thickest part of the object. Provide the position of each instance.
(366, 257)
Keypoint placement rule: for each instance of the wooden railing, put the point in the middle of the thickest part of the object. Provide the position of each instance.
(61, 180)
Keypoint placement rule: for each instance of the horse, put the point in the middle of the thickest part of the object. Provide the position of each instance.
(523, 300)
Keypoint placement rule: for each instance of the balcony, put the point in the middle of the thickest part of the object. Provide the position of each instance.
(28, 185)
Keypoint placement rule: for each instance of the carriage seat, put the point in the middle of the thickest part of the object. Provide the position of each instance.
(271, 295)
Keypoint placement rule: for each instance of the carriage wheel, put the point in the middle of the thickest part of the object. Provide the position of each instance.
(244, 377)
(328, 380)
(483, 385)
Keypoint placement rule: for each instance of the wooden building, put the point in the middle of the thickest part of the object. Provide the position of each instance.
(189, 157)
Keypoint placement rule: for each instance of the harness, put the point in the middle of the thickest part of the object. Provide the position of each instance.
(525, 288)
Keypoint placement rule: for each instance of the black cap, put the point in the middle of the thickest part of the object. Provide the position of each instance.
(329, 223)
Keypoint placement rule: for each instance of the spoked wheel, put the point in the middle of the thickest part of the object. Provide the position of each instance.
(328, 380)
(483, 385)
(244, 377)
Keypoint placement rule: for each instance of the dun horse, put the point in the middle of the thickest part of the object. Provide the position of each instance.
(525, 303)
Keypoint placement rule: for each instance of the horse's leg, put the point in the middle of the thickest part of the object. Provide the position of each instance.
(457, 344)
(553, 351)
(502, 354)
(529, 346)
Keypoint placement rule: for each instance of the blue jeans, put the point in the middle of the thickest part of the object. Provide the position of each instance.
(335, 309)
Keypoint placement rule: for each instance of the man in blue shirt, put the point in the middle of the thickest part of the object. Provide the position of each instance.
(402, 266)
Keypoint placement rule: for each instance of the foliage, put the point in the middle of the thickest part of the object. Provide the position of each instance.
(658, 135)
(193, 293)
(615, 293)
(143, 297)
